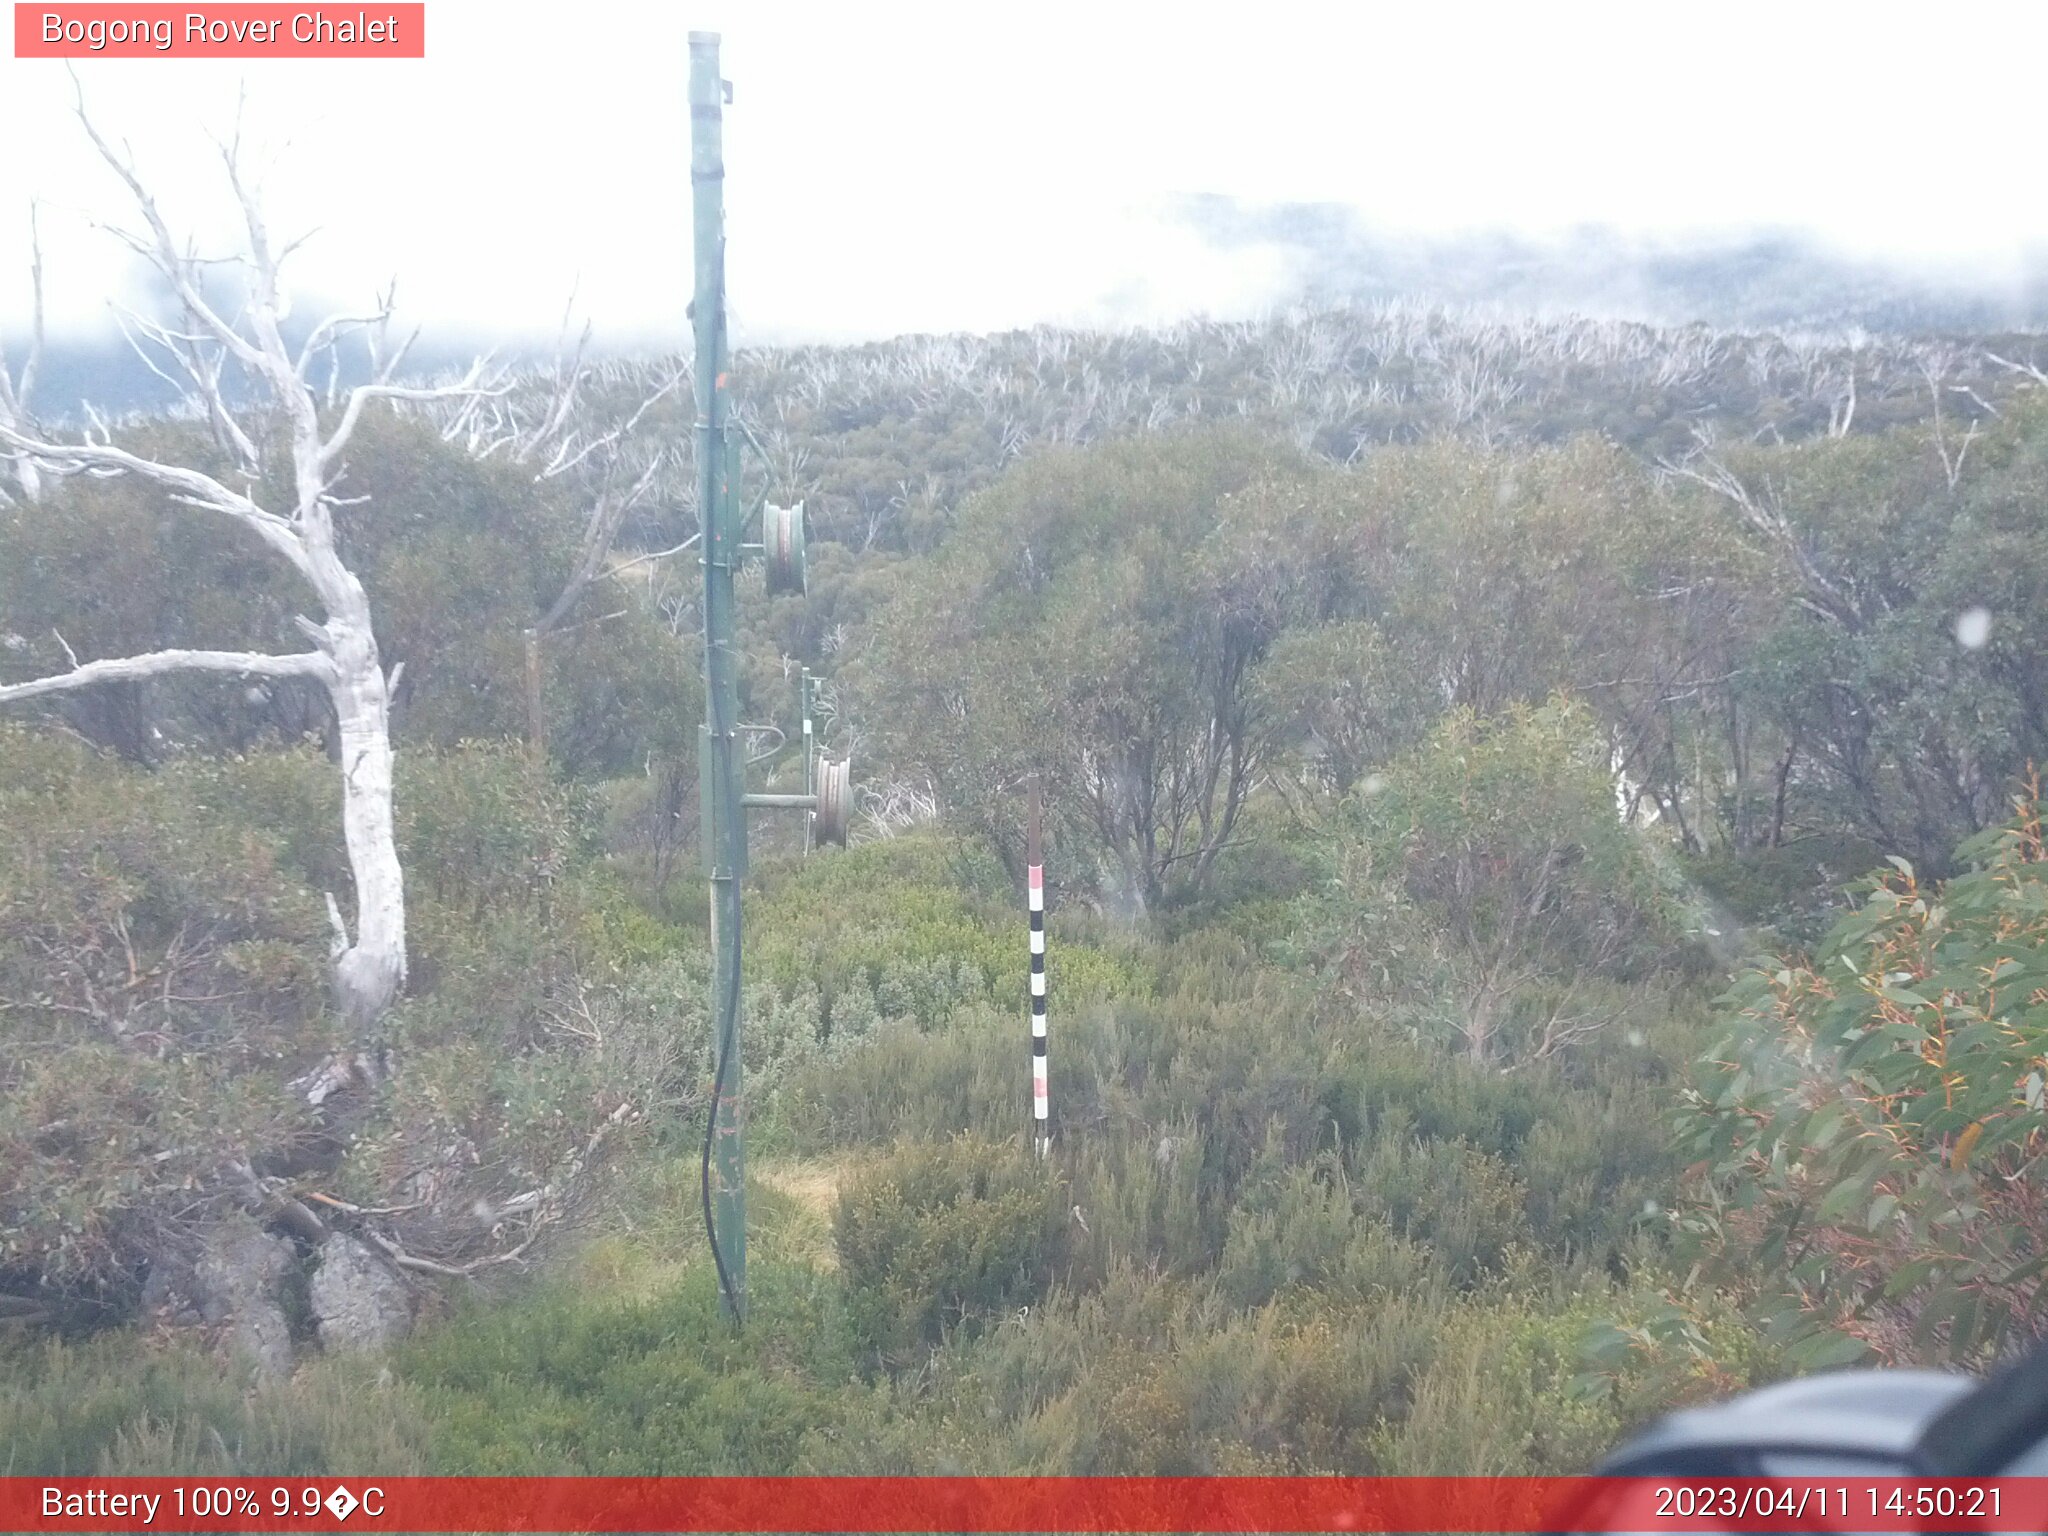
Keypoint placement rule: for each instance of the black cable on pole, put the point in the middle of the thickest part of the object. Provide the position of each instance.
(730, 1011)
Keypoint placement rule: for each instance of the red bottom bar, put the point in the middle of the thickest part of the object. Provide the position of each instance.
(1020, 1504)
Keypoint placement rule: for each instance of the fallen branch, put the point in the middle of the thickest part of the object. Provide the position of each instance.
(361, 1210)
(405, 1260)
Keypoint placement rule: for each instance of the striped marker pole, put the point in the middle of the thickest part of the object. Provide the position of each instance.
(1034, 878)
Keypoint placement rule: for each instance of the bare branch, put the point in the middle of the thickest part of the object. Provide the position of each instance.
(330, 331)
(369, 969)
(130, 323)
(422, 1266)
(336, 927)
(163, 663)
(602, 528)
(563, 461)
(384, 365)
(16, 395)
(202, 363)
(364, 1210)
(35, 335)
(161, 251)
(568, 379)
(192, 487)
(471, 387)
(660, 554)
(1764, 516)
(2027, 369)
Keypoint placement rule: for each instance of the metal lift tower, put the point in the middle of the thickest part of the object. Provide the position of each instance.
(721, 756)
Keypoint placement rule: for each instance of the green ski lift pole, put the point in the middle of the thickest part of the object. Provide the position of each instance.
(724, 830)
(721, 765)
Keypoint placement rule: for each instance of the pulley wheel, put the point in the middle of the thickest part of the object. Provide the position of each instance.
(834, 815)
(782, 540)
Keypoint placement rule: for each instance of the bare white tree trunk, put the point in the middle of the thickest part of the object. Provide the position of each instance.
(369, 966)
(15, 389)
(368, 973)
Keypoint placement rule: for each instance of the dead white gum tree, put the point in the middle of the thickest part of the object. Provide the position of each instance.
(369, 963)
(16, 387)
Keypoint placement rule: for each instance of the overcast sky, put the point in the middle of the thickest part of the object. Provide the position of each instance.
(899, 167)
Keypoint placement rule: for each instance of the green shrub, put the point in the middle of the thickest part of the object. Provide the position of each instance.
(935, 1236)
(1871, 1123)
(1145, 1200)
(1300, 1231)
(1502, 1398)
(560, 1382)
(1484, 879)
(1149, 1375)
(116, 1406)
(1464, 1205)
(1796, 892)
(161, 978)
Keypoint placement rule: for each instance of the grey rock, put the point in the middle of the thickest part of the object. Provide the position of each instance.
(236, 1288)
(359, 1301)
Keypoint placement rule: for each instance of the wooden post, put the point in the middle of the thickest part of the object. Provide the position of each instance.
(536, 709)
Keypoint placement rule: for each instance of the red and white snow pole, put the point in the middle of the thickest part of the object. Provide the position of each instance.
(1034, 880)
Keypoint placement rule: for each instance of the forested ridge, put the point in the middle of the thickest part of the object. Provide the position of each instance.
(1547, 913)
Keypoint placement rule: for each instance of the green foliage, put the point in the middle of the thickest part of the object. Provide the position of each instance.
(1794, 892)
(1901, 734)
(113, 568)
(1500, 1399)
(1511, 576)
(158, 982)
(910, 926)
(939, 1236)
(1151, 1376)
(1870, 1126)
(539, 1006)
(1361, 1157)
(1487, 868)
(888, 439)
(559, 1384)
(459, 558)
(1095, 617)
(163, 979)
(1345, 697)
(1297, 1226)
(1650, 1349)
(108, 1407)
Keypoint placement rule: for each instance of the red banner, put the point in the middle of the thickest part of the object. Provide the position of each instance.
(102, 31)
(1020, 1504)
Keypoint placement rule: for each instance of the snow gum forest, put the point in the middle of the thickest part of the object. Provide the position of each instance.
(1547, 901)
